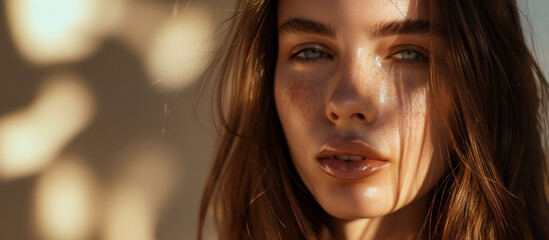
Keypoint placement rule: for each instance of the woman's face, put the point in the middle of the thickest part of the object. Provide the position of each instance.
(350, 92)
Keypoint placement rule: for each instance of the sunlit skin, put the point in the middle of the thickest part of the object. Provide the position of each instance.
(357, 83)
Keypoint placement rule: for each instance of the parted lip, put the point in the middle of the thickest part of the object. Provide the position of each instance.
(347, 147)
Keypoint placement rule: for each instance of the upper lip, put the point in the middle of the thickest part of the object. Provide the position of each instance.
(346, 147)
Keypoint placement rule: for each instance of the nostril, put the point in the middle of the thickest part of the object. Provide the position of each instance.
(360, 116)
(334, 116)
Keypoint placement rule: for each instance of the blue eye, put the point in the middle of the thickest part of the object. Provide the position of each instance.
(310, 53)
(409, 55)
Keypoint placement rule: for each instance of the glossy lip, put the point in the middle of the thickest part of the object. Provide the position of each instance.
(372, 163)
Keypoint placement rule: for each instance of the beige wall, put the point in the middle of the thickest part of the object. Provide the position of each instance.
(97, 134)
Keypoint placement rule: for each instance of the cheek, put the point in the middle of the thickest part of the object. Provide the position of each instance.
(299, 98)
(420, 168)
(410, 98)
(299, 102)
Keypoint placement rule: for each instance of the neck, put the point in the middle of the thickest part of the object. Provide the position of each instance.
(405, 223)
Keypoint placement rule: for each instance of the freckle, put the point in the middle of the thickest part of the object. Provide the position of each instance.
(296, 94)
(295, 89)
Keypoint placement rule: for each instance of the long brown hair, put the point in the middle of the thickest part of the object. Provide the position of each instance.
(487, 89)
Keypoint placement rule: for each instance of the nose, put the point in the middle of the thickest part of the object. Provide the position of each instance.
(352, 95)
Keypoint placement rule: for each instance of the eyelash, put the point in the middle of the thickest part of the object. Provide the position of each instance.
(421, 58)
(304, 58)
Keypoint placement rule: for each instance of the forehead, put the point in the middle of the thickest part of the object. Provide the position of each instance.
(350, 12)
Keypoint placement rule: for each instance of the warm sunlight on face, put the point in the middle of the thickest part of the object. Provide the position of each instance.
(350, 92)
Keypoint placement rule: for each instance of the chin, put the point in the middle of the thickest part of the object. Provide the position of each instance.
(351, 212)
(353, 201)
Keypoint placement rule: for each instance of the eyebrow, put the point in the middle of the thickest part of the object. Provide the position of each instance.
(301, 25)
(382, 29)
(402, 27)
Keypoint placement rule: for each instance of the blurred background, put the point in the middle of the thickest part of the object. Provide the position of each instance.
(98, 139)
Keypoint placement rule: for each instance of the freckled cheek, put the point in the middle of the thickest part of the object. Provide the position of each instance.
(417, 94)
(300, 97)
(410, 91)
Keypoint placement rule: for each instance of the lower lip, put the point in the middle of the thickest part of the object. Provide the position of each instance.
(351, 170)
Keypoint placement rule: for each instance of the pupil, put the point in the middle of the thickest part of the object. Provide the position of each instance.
(410, 55)
(314, 53)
